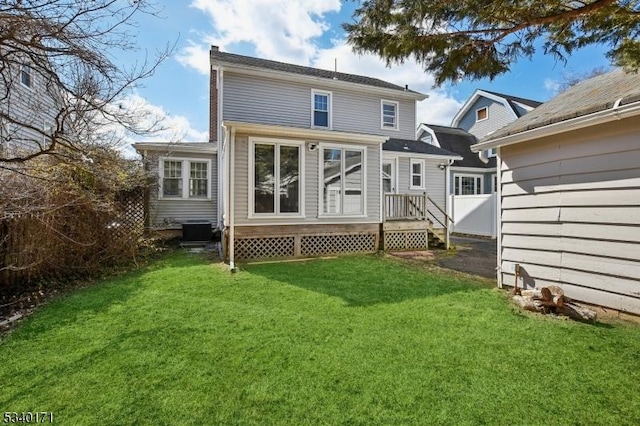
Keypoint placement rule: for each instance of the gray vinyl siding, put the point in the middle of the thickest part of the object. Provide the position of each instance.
(434, 184)
(520, 110)
(310, 191)
(171, 213)
(270, 101)
(571, 214)
(499, 116)
(34, 106)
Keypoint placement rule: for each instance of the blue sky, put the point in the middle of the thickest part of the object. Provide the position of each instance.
(305, 32)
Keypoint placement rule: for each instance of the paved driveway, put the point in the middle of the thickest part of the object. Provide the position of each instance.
(473, 255)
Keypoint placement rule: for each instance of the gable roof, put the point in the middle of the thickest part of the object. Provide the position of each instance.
(600, 99)
(265, 64)
(409, 146)
(514, 99)
(459, 141)
(507, 100)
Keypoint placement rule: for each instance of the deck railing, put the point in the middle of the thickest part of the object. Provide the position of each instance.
(415, 207)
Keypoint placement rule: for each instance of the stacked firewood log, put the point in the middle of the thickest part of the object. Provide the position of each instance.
(551, 300)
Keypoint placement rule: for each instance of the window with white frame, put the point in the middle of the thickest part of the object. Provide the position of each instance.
(185, 178)
(276, 177)
(343, 179)
(26, 75)
(482, 114)
(389, 113)
(467, 184)
(417, 174)
(321, 109)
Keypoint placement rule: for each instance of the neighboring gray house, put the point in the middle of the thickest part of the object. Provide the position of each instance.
(300, 156)
(471, 175)
(569, 193)
(27, 109)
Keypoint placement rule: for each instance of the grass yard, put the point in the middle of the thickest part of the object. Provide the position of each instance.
(354, 340)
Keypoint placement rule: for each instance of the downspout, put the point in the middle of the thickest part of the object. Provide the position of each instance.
(498, 208)
(382, 200)
(232, 148)
(221, 175)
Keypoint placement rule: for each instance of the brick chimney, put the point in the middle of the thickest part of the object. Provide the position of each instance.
(213, 103)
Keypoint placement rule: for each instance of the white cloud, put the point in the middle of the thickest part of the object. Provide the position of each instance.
(166, 127)
(282, 30)
(288, 31)
(552, 86)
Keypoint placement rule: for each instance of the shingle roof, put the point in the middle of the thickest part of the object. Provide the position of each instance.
(415, 147)
(587, 97)
(232, 58)
(459, 141)
(528, 102)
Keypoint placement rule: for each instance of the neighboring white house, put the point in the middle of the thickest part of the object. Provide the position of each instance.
(307, 161)
(569, 191)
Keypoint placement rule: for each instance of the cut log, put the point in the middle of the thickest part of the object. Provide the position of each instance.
(528, 304)
(546, 294)
(578, 312)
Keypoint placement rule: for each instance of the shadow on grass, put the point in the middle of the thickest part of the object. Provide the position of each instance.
(365, 280)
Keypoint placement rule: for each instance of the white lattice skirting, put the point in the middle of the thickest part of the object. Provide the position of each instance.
(304, 245)
(405, 240)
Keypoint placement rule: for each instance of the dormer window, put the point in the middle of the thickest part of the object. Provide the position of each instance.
(25, 75)
(482, 114)
(321, 109)
(389, 113)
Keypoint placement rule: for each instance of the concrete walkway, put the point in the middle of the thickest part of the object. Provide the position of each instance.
(475, 256)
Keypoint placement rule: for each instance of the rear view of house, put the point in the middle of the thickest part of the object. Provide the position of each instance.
(569, 189)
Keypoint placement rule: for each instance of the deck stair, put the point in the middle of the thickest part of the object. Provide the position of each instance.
(409, 223)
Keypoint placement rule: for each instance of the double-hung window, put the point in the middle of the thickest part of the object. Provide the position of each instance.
(389, 114)
(342, 174)
(321, 109)
(417, 174)
(276, 177)
(185, 178)
(467, 184)
(25, 75)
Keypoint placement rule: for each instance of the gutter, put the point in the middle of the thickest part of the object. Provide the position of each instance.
(614, 113)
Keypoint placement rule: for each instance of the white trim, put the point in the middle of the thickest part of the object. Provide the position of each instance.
(363, 168)
(253, 140)
(473, 169)
(304, 133)
(486, 108)
(431, 132)
(422, 173)
(309, 79)
(29, 73)
(396, 104)
(329, 96)
(186, 177)
(601, 117)
(409, 154)
(478, 191)
(171, 147)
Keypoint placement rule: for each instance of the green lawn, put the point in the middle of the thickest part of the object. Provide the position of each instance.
(354, 340)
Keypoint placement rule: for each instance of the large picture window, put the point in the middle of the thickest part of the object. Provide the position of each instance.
(276, 178)
(180, 174)
(342, 181)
